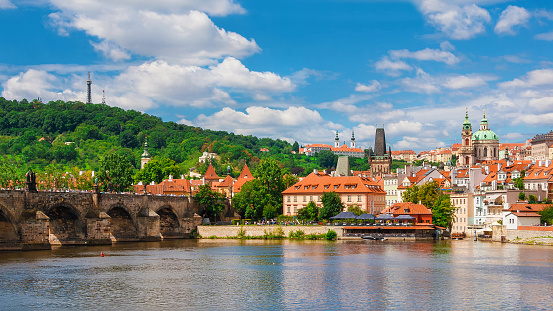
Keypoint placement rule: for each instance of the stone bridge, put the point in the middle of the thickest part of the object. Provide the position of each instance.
(40, 219)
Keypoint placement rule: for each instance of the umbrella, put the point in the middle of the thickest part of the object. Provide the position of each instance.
(365, 217)
(405, 217)
(345, 215)
(385, 217)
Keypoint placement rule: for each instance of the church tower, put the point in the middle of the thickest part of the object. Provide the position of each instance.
(466, 154)
(352, 143)
(336, 141)
(145, 155)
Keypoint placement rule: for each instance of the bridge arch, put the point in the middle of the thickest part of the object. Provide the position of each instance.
(169, 224)
(122, 225)
(66, 223)
(9, 232)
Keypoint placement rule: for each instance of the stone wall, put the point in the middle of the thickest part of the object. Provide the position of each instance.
(232, 231)
(520, 233)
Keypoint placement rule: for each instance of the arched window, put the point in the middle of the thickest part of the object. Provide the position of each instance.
(485, 151)
(466, 141)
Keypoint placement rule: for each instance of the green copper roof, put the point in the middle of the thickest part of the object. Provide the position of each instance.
(466, 124)
(145, 154)
(484, 135)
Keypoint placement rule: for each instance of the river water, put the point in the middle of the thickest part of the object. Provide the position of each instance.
(293, 275)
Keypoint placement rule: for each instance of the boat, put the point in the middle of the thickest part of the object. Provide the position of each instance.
(457, 236)
(373, 238)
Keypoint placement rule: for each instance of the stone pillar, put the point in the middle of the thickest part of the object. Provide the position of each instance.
(191, 224)
(98, 228)
(35, 230)
(148, 225)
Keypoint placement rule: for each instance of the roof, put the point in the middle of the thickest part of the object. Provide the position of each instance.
(525, 214)
(345, 148)
(407, 208)
(245, 176)
(526, 207)
(317, 184)
(210, 173)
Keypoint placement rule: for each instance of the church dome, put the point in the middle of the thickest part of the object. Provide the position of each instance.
(484, 135)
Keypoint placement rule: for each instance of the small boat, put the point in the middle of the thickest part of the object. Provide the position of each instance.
(373, 238)
(457, 236)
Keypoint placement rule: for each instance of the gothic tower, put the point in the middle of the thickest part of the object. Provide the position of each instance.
(380, 160)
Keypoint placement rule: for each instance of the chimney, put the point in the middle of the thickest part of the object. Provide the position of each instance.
(316, 171)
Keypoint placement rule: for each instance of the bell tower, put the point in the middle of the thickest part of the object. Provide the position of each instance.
(466, 155)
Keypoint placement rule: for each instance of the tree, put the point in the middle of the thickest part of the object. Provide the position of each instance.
(128, 140)
(270, 175)
(212, 201)
(519, 182)
(443, 212)
(296, 147)
(532, 198)
(326, 159)
(332, 205)
(115, 172)
(9, 177)
(521, 196)
(290, 180)
(309, 212)
(546, 215)
(433, 198)
(251, 200)
(354, 208)
(156, 170)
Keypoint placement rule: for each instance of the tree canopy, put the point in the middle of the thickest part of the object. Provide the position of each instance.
(212, 201)
(115, 173)
(430, 195)
(332, 205)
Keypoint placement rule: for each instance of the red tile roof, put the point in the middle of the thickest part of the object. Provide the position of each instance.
(210, 173)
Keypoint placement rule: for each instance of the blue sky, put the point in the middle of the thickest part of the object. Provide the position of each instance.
(294, 69)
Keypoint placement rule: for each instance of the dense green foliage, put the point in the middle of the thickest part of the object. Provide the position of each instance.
(115, 173)
(309, 212)
(73, 136)
(354, 208)
(210, 200)
(433, 198)
(332, 205)
(547, 215)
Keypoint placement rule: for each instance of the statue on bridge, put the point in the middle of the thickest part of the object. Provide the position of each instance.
(31, 181)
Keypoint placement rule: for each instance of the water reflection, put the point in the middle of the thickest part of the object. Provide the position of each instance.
(231, 274)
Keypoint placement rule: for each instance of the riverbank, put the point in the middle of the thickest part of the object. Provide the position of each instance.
(275, 231)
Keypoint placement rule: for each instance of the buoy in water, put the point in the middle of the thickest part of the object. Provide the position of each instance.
(102, 254)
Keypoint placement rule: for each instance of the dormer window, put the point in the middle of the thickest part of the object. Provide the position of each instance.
(336, 186)
(297, 187)
(305, 187)
(326, 186)
(406, 210)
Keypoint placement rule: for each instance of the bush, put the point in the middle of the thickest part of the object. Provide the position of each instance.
(298, 234)
(331, 235)
(241, 233)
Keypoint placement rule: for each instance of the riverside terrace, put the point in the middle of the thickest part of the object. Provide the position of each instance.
(387, 226)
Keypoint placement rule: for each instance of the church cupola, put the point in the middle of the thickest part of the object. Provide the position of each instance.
(352, 140)
(337, 141)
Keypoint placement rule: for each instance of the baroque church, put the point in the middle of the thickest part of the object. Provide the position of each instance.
(477, 147)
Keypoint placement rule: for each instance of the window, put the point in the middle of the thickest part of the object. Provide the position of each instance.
(288, 199)
(305, 187)
(295, 199)
(310, 198)
(288, 209)
(304, 198)
(349, 198)
(336, 186)
(326, 186)
(319, 199)
(358, 198)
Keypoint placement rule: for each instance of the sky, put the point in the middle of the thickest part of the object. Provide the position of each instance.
(297, 70)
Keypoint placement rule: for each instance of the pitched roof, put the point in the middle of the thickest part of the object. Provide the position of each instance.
(317, 184)
(245, 176)
(525, 207)
(210, 173)
(407, 208)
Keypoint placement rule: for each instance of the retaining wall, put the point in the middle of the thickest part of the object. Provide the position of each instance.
(232, 231)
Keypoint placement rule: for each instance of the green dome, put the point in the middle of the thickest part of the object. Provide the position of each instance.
(484, 135)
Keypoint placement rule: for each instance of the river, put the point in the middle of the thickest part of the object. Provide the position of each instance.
(275, 275)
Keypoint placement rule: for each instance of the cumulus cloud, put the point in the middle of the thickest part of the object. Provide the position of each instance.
(142, 87)
(532, 78)
(391, 68)
(423, 83)
(462, 82)
(455, 19)
(177, 32)
(426, 54)
(295, 123)
(512, 16)
(373, 86)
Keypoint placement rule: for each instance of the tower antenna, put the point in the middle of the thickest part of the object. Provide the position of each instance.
(89, 90)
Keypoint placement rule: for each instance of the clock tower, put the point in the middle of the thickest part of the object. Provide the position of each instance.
(466, 154)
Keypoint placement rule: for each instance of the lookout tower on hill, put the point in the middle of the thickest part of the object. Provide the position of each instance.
(89, 90)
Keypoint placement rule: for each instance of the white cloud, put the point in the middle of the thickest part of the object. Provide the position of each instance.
(548, 36)
(391, 68)
(447, 46)
(537, 119)
(147, 28)
(373, 86)
(295, 123)
(542, 104)
(6, 4)
(426, 54)
(532, 78)
(423, 83)
(512, 16)
(461, 82)
(142, 87)
(455, 19)
(111, 51)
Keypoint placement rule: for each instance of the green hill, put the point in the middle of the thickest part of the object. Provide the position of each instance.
(69, 135)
